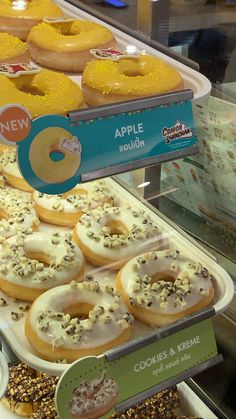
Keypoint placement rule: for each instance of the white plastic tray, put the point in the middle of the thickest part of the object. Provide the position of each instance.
(13, 331)
(200, 85)
(190, 405)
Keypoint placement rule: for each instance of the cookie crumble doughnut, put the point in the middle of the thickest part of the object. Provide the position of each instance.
(12, 49)
(112, 235)
(34, 263)
(17, 17)
(66, 46)
(106, 81)
(26, 389)
(16, 212)
(163, 286)
(94, 399)
(47, 92)
(67, 208)
(11, 172)
(56, 331)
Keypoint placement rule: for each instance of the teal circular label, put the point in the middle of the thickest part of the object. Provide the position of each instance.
(50, 157)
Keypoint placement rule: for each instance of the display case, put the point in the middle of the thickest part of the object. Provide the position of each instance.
(107, 300)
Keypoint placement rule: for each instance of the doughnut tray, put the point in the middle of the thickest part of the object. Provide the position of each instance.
(190, 403)
(13, 331)
(193, 80)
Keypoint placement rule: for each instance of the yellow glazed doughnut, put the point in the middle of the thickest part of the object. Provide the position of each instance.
(47, 92)
(19, 16)
(13, 50)
(10, 170)
(106, 81)
(66, 46)
(17, 213)
(66, 209)
(34, 263)
(164, 286)
(47, 141)
(113, 235)
(54, 327)
(94, 399)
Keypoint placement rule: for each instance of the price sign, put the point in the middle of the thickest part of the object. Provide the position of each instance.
(134, 373)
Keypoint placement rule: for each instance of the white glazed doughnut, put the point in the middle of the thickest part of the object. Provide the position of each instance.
(31, 264)
(55, 330)
(161, 287)
(94, 399)
(66, 209)
(16, 212)
(113, 235)
(11, 171)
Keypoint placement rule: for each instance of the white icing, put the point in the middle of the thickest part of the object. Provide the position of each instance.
(90, 397)
(66, 260)
(19, 210)
(190, 282)
(8, 163)
(106, 321)
(82, 198)
(142, 235)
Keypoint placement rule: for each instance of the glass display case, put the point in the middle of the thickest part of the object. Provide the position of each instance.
(126, 280)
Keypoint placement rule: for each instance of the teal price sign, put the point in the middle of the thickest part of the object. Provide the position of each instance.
(62, 151)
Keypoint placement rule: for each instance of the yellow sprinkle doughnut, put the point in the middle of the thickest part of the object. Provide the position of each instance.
(45, 93)
(19, 16)
(12, 49)
(65, 46)
(106, 81)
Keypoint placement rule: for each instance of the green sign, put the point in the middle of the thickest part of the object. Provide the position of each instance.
(133, 373)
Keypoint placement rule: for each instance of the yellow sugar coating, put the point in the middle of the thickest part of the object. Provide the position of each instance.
(78, 35)
(140, 76)
(31, 9)
(10, 46)
(47, 92)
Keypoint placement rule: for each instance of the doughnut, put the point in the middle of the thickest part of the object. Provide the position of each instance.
(163, 405)
(26, 389)
(11, 172)
(164, 286)
(13, 50)
(66, 46)
(33, 263)
(66, 209)
(106, 81)
(47, 92)
(46, 409)
(17, 213)
(46, 142)
(94, 399)
(56, 331)
(113, 235)
(19, 16)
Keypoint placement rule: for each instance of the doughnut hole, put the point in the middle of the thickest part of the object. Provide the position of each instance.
(163, 276)
(79, 310)
(39, 256)
(117, 227)
(3, 214)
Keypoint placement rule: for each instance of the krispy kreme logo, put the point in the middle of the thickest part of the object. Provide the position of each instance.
(73, 146)
(179, 130)
(113, 54)
(16, 70)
